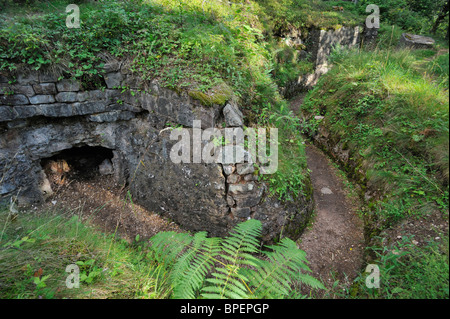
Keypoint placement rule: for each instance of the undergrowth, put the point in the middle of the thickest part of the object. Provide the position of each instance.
(394, 121)
(389, 109)
(35, 250)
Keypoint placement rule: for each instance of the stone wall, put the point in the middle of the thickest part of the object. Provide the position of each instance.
(42, 115)
(318, 45)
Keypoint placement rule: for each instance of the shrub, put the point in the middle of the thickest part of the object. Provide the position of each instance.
(217, 268)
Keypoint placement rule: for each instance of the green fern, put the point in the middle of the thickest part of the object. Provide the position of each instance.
(192, 267)
(229, 280)
(284, 263)
(218, 268)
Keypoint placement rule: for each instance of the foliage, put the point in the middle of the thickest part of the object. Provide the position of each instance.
(409, 272)
(440, 67)
(176, 43)
(410, 15)
(36, 249)
(394, 121)
(282, 15)
(288, 65)
(228, 268)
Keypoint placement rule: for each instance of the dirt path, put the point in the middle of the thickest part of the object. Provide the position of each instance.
(334, 243)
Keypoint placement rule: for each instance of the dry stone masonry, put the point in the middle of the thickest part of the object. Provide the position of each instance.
(43, 115)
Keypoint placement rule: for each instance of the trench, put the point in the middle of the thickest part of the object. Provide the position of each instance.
(334, 241)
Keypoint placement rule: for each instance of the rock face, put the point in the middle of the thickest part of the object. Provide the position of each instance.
(370, 37)
(318, 45)
(106, 167)
(41, 117)
(233, 116)
(415, 41)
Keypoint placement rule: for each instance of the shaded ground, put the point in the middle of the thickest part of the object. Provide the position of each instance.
(334, 243)
(99, 200)
(296, 103)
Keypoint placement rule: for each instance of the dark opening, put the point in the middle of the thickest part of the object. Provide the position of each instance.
(78, 162)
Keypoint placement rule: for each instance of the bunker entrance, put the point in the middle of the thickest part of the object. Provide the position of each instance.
(81, 163)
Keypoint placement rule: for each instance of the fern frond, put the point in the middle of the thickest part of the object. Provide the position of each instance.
(167, 246)
(228, 268)
(285, 263)
(190, 272)
(242, 240)
(184, 261)
(310, 281)
(228, 284)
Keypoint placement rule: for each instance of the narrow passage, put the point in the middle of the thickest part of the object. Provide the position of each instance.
(335, 241)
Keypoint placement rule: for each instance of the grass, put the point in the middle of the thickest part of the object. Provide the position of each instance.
(409, 272)
(389, 108)
(176, 43)
(395, 122)
(194, 45)
(36, 249)
(214, 51)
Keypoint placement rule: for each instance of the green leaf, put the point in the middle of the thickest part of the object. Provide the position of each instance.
(83, 277)
(228, 268)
